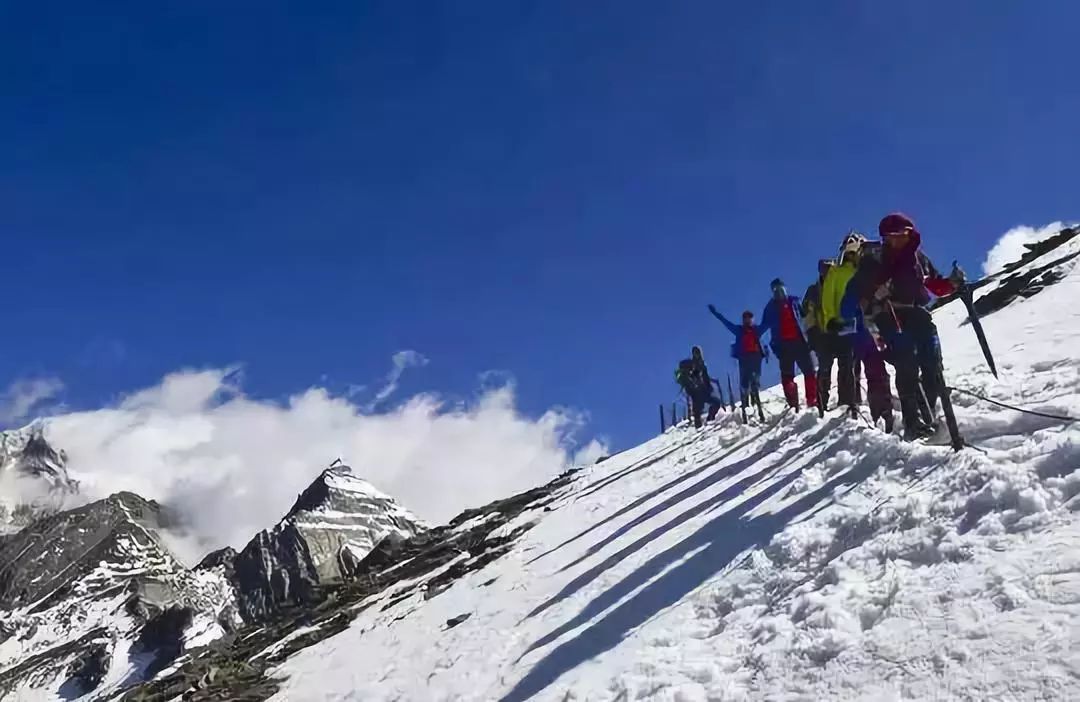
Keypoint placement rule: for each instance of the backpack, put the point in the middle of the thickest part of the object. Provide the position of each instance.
(684, 373)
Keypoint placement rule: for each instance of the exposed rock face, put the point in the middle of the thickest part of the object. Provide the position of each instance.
(33, 478)
(78, 589)
(27, 452)
(240, 666)
(1028, 282)
(92, 601)
(333, 526)
(1017, 280)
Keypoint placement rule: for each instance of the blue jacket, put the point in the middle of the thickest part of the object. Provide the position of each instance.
(851, 311)
(738, 330)
(770, 319)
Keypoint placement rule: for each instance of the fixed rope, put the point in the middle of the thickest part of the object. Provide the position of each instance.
(1060, 417)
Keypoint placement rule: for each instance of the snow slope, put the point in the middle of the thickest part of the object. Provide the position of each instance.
(803, 559)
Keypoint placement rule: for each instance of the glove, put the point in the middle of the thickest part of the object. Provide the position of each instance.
(881, 293)
(712, 309)
(942, 286)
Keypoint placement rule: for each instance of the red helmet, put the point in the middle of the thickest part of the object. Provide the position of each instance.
(895, 223)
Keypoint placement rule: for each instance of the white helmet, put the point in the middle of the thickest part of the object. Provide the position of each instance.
(853, 242)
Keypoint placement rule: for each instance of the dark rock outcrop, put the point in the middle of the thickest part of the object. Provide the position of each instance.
(34, 481)
(162, 639)
(1023, 284)
(42, 561)
(26, 452)
(89, 668)
(75, 583)
(330, 529)
(240, 666)
(1016, 280)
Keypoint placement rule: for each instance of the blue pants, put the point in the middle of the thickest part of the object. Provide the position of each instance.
(915, 351)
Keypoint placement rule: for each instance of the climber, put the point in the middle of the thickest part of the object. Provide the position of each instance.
(781, 319)
(811, 308)
(837, 338)
(859, 308)
(748, 350)
(693, 376)
(904, 283)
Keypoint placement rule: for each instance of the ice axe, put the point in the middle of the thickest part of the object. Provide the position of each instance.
(963, 289)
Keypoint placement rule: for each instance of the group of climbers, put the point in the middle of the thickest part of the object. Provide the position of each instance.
(868, 307)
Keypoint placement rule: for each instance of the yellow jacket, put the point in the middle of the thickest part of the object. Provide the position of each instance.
(832, 291)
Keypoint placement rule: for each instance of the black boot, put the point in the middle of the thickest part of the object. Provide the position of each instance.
(914, 426)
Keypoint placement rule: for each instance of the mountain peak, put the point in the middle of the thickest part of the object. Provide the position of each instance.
(338, 486)
(33, 477)
(26, 452)
(334, 523)
(99, 579)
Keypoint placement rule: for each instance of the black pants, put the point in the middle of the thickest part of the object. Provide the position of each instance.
(793, 353)
(838, 349)
(749, 377)
(699, 399)
(916, 353)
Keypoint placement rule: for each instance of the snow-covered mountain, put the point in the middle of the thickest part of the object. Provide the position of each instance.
(92, 602)
(90, 598)
(33, 477)
(334, 524)
(800, 558)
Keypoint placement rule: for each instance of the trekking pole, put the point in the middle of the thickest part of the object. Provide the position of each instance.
(662, 427)
(895, 319)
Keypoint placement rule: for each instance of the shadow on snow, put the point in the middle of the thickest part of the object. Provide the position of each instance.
(726, 495)
(700, 556)
(659, 491)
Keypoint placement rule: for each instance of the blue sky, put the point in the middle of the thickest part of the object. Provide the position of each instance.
(555, 189)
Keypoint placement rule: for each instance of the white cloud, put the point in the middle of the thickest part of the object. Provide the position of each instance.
(26, 394)
(1010, 247)
(402, 360)
(591, 452)
(497, 378)
(233, 465)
